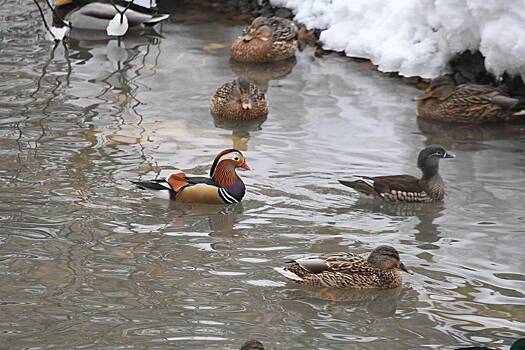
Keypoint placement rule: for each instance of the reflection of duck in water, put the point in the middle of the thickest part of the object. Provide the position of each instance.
(447, 133)
(407, 188)
(267, 39)
(99, 15)
(467, 103)
(262, 73)
(345, 270)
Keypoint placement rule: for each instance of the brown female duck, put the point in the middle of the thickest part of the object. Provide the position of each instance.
(407, 188)
(239, 100)
(223, 186)
(345, 270)
(267, 39)
(467, 103)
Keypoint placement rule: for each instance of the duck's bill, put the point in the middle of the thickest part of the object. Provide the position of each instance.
(404, 268)
(246, 166)
(423, 97)
(449, 155)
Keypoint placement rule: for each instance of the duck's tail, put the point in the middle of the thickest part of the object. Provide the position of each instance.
(363, 184)
(288, 274)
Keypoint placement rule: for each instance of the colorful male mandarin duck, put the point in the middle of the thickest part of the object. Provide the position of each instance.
(407, 188)
(267, 39)
(252, 345)
(467, 103)
(101, 15)
(239, 100)
(346, 270)
(223, 186)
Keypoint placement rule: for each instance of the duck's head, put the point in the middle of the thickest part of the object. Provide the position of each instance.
(439, 88)
(242, 93)
(258, 30)
(229, 159)
(428, 158)
(386, 258)
(252, 345)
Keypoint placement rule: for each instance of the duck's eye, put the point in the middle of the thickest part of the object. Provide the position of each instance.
(236, 158)
(439, 153)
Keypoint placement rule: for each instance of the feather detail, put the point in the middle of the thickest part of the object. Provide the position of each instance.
(288, 274)
(224, 174)
(177, 181)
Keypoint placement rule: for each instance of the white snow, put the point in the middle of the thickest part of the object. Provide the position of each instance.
(418, 37)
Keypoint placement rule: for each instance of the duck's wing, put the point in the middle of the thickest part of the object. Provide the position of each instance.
(483, 94)
(336, 262)
(383, 185)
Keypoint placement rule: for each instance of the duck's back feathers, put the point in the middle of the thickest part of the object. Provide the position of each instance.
(339, 270)
(470, 103)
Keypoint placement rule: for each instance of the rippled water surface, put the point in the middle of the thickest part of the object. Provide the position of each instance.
(87, 261)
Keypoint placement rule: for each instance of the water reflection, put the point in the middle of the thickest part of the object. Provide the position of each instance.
(262, 73)
(454, 135)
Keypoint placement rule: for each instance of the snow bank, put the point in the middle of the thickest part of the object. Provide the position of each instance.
(418, 37)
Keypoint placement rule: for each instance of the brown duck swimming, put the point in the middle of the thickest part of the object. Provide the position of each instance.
(223, 186)
(239, 100)
(407, 188)
(467, 103)
(345, 270)
(267, 39)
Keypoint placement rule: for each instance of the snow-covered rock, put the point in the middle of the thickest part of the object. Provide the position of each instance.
(418, 37)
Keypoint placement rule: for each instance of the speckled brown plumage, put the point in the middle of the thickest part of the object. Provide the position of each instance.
(267, 39)
(467, 103)
(407, 188)
(345, 270)
(227, 102)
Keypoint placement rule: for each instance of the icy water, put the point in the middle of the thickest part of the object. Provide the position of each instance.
(89, 262)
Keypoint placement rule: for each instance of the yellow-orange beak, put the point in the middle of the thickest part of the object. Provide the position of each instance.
(245, 166)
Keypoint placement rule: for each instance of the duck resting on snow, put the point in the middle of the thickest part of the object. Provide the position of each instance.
(223, 186)
(407, 188)
(346, 270)
(101, 15)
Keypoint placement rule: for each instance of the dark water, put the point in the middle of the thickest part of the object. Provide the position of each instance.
(89, 262)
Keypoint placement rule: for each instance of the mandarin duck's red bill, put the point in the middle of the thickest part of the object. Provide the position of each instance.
(223, 186)
(407, 188)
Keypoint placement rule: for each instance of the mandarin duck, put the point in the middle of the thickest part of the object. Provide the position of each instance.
(101, 15)
(467, 103)
(223, 186)
(346, 270)
(517, 345)
(239, 100)
(407, 188)
(267, 39)
(252, 345)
